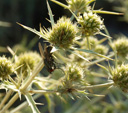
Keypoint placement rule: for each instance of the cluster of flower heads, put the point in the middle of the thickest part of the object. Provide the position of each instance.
(24, 64)
(95, 45)
(120, 73)
(64, 32)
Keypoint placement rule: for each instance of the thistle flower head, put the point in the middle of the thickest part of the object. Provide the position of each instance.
(101, 49)
(63, 33)
(121, 45)
(73, 79)
(120, 77)
(73, 73)
(27, 62)
(6, 67)
(78, 5)
(90, 24)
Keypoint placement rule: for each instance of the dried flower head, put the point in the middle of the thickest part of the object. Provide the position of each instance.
(27, 62)
(6, 67)
(90, 24)
(120, 77)
(63, 33)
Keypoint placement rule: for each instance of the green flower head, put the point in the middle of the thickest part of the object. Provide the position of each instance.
(63, 33)
(74, 73)
(26, 62)
(78, 5)
(90, 24)
(6, 67)
(120, 77)
(121, 45)
(101, 49)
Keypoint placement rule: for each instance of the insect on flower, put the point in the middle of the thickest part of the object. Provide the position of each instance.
(47, 57)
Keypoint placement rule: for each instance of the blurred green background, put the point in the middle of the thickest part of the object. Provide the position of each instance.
(28, 12)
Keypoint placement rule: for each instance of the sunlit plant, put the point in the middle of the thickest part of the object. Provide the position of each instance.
(81, 64)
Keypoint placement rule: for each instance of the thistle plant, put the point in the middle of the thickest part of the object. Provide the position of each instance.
(83, 65)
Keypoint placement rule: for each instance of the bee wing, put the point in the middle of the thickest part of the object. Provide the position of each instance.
(41, 50)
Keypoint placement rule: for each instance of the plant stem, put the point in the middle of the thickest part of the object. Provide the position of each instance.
(61, 4)
(42, 91)
(24, 87)
(50, 103)
(93, 101)
(114, 49)
(35, 72)
(31, 103)
(97, 86)
(24, 104)
(99, 60)
(106, 12)
(13, 99)
(5, 98)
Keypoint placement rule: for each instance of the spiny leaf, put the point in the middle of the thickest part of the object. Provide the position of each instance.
(106, 12)
(89, 2)
(79, 55)
(32, 103)
(101, 66)
(33, 30)
(59, 3)
(92, 52)
(50, 14)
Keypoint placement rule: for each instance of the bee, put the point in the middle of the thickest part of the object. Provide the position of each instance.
(47, 57)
